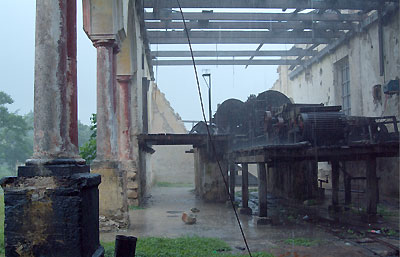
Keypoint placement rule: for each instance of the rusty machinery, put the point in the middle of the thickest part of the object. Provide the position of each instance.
(271, 118)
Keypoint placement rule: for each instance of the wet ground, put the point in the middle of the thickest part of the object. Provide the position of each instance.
(161, 217)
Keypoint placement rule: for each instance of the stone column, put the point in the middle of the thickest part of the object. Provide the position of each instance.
(52, 206)
(245, 190)
(113, 201)
(107, 148)
(128, 162)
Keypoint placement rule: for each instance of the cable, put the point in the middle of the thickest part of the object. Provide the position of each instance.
(208, 130)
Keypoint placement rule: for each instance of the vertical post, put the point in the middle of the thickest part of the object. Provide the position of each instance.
(347, 185)
(55, 97)
(106, 117)
(245, 185)
(124, 117)
(335, 183)
(372, 186)
(262, 189)
(245, 190)
(232, 180)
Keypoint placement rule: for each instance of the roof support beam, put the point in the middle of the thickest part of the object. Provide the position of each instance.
(224, 62)
(209, 16)
(281, 4)
(337, 25)
(208, 40)
(294, 52)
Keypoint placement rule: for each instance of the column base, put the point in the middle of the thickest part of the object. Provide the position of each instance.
(246, 211)
(52, 216)
(112, 195)
(262, 221)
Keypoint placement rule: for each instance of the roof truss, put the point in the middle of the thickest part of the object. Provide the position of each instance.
(326, 23)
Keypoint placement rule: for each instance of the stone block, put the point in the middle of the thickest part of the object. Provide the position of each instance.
(132, 194)
(112, 194)
(52, 216)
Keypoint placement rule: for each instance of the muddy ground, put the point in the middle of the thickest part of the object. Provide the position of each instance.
(318, 234)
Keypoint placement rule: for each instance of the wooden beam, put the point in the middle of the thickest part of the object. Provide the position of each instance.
(281, 4)
(223, 62)
(210, 16)
(294, 52)
(338, 25)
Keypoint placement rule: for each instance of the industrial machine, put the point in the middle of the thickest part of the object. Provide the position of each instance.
(271, 118)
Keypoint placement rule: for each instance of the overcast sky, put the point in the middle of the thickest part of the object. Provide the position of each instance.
(17, 19)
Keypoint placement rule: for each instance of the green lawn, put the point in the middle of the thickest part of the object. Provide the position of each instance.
(181, 247)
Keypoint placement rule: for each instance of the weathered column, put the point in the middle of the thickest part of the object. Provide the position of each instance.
(52, 206)
(262, 195)
(113, 199)
(245, 190)
(335, 184)
(372, 186)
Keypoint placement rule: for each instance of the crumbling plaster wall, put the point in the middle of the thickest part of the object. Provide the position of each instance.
(318, 84)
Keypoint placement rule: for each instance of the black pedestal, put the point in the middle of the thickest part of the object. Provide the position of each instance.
(52, 215)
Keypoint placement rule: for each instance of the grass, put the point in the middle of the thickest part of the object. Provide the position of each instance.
(133, 207)
(300, 241)
(169, 184)
(181, 247)
(384, 212)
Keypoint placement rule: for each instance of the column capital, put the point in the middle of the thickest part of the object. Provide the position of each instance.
(124, 78)
(107, 43)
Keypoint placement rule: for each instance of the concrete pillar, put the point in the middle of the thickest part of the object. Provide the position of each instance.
(113, 190)
(107, 147)
(52, 206)
(209, 183)
(55, 94)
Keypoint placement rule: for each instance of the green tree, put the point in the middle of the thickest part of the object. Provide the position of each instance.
(88, 150)
(14, 146)
(84, 133)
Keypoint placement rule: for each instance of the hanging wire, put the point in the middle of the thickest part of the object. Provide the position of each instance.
(208, 131)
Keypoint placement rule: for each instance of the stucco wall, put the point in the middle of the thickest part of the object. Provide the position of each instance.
(169, 163)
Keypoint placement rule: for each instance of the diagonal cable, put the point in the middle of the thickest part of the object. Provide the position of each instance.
(208, 131)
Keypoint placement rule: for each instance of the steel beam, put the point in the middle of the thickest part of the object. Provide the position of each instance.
(337, 25)
(281, 4)
(276, 40)
(294, 52)
(224, 62)
(209, 16)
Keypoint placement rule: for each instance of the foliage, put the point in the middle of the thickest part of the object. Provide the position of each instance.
(301, 242)
(88, 149)
(14, 145)
(84, 133)
(181, 247)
